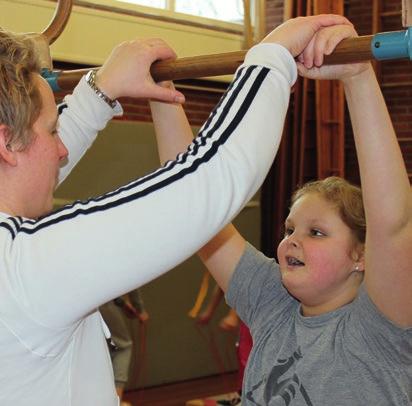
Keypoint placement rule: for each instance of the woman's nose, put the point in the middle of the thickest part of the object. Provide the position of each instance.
(63, 152)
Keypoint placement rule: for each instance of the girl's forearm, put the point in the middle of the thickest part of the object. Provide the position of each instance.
(173, 132)
(385, 183)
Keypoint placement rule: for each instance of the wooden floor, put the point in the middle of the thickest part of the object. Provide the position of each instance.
(177, 394)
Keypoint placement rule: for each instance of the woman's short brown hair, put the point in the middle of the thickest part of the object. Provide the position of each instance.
(20, 100)
(347, 199)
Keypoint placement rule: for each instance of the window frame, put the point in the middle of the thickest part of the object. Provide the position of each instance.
(167, 15)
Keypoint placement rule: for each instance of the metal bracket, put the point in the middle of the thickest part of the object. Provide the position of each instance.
(392, 45)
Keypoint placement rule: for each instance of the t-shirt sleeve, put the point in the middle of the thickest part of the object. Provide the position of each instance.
(383, 336)
(256, 291)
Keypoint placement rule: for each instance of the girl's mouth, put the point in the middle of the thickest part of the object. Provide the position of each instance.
(292, 261)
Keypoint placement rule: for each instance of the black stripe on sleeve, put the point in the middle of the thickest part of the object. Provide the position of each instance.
(61, 107)
(9, 228)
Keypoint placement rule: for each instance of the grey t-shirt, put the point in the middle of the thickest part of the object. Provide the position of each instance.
(352, 356)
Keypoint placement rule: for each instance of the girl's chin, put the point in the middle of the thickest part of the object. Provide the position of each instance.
(291, 283)
(287, 280)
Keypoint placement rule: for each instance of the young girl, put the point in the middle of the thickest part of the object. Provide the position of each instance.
(332, 319)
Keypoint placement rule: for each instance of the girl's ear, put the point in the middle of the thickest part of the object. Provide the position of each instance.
(359, 258)
(7, 154)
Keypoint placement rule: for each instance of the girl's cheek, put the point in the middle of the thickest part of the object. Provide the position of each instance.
(281, 251)
(322, 267)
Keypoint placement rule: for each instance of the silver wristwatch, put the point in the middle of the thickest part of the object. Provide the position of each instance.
(91, 81)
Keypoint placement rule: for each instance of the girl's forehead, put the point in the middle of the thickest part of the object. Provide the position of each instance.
(312, 201)
(313, 206)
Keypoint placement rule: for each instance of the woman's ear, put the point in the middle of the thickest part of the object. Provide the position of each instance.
(7, 154)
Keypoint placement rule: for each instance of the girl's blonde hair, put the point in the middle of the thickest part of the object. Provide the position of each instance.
(347, 199)
(20, 100)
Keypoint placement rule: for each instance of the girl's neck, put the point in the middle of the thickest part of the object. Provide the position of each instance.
(337, 301)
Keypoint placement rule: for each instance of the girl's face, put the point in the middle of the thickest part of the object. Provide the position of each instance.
(317, 256)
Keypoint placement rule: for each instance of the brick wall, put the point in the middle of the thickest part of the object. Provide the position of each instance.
(274, 14)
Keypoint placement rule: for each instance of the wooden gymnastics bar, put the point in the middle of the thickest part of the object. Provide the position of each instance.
(350, 50)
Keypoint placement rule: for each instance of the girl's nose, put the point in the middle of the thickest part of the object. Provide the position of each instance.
(293, 240)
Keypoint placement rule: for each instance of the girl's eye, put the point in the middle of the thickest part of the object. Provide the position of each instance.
(316, 233)
(288, 231)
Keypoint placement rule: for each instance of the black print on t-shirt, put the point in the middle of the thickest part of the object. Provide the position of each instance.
(277, 391)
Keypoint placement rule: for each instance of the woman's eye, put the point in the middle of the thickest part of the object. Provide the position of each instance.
(288, 231)
(56, 130)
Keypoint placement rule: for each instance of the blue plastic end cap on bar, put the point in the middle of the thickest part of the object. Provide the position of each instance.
(392, 45)
(51, 78)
